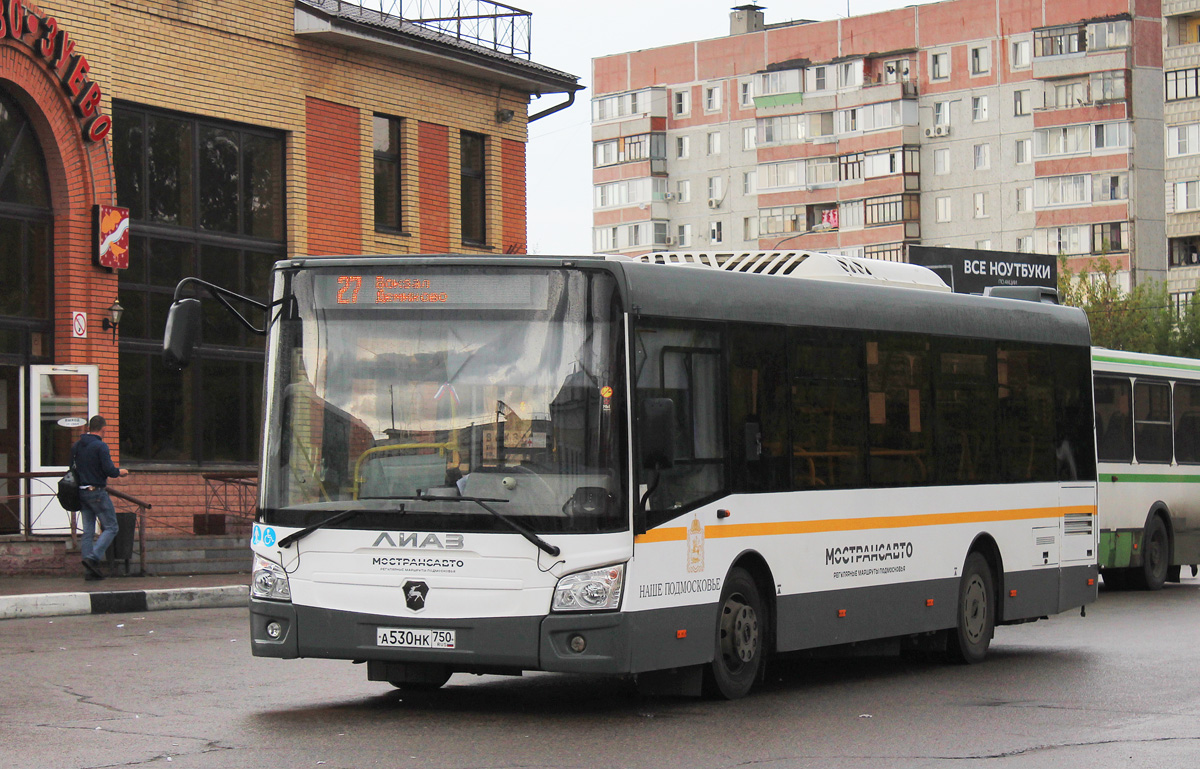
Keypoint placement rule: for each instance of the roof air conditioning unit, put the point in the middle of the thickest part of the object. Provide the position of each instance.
(714, 202)
(930, 132)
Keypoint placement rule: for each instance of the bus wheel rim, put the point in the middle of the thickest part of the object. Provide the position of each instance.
(975, 609)
(739, 633)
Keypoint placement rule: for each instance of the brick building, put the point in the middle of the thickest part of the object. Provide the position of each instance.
(1008, 125)
(224, 136)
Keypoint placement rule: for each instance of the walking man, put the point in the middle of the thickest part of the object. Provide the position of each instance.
(94, 466)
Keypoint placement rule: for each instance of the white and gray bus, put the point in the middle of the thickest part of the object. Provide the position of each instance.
(670, 468)
(1148, 451)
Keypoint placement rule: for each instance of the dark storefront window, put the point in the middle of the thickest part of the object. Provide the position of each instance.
(387, 173)
(206, 200)
(474, 189)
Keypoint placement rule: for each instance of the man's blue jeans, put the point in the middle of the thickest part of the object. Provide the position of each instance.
(96, 504)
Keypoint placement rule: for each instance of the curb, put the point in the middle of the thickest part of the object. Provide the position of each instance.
(122, 601)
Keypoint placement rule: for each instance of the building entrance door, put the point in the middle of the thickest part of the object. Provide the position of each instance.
(61, 400)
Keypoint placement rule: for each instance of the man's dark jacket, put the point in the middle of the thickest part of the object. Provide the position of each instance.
(93, 463)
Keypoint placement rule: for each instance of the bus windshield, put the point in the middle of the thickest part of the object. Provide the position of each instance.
(414, 393)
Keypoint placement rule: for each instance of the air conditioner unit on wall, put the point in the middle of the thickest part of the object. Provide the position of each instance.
(669, 196)
(929, 132)
(714, 202)
(942, 130)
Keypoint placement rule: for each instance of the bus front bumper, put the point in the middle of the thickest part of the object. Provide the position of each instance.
(566, 643)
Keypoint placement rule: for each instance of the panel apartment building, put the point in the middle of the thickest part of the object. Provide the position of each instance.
(1015, 125)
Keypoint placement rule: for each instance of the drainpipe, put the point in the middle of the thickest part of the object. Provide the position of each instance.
(556, 108)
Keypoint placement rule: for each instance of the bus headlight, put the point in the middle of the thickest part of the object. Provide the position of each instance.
(269, 581)
(594, 590)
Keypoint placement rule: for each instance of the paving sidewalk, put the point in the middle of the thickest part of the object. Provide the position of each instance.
(60, 596)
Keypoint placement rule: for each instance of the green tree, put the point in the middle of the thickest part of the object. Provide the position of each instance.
(1141, 320)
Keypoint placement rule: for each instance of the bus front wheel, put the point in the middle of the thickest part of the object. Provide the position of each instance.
(970, 639)
(740, 638)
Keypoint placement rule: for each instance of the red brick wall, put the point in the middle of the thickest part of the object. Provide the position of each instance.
(512, 176)
(334, 203)
(433, 148)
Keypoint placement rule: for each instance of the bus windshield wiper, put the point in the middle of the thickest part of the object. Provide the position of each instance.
(537, 541)
(343, 516)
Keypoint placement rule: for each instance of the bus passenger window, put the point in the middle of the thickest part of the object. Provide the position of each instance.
(965, 432)
(898, 399)
(1114, 423)
(1152, 421)
(1187, 423)
(758, 408)
(1026, 417)
(829, 414)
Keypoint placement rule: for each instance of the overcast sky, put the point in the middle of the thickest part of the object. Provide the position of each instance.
(567, 38)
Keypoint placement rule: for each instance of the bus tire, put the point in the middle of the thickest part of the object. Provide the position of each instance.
(740, 638)
(970, 639)
(1156, 556)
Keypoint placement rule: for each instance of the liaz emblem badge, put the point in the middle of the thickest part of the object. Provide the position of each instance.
(414, 594)
(695, 546)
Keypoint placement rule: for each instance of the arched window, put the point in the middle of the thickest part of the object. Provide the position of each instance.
(25, 232)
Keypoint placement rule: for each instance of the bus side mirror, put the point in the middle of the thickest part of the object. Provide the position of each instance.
(182, 333)
(658, 433)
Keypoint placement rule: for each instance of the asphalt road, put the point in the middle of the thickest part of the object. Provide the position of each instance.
(1119, 688)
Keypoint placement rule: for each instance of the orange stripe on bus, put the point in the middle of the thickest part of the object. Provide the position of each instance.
(679, 533)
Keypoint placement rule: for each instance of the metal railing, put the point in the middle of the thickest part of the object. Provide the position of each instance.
(232, 496)
(501, 27)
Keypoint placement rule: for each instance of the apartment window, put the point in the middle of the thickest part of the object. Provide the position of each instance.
(1020, 53)
(386, 143)
(749, 228)
(205, 199)
(981, 209)
(682, 145)
(748, 180)
(983, 245)
(939, 66)
(1024, 151)
(1021, 102)
(712, 98)
(1058, 41)
(1066, 94)
(821, 171)
(684, 236)
(1108, 186)
(941, 161)
(1024, 244)
(779, 220)
(1063, 190)
(1108, 86)
(1111, 136)
(941, 113)
(891, 209)
(749, 137)
(716, 188)
(848, 74)
(850, 167)
(983, 157)
(820, 124)
(683, 190)
(1062, 240)
(780, 130)
(787, 173)
(1024, 199)
(1187, 196)
(746, 93)
(683, 103)
(1183, 84)
(714, 143)
(850, 215)
(895, 71)
(604, 153)
(981, 60)
(1063, 140)
(979, 108)
(1183, 140)
(943, 209)
(819, 79)
(715, 234)
(474, 188)
(1109, 237)
(1108, 34)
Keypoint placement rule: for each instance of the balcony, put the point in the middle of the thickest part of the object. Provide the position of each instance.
(500, 27)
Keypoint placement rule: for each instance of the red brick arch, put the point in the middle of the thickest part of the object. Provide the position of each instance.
(80, 175)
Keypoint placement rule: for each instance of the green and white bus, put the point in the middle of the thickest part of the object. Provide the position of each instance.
(1148, 454)
(671, 468)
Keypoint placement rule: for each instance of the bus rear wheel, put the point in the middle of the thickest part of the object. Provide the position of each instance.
(740, 638)
(1156, 556)
(970, 639)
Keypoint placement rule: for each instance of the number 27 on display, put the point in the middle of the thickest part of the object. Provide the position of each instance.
(348, 293)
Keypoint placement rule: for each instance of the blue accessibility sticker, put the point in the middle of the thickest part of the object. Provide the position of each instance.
(268, 537)
(263, 535)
